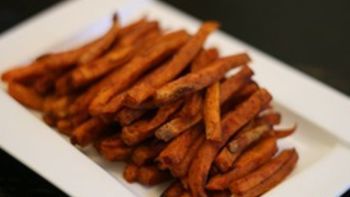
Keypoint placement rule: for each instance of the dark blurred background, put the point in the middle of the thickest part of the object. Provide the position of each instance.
(312, 36)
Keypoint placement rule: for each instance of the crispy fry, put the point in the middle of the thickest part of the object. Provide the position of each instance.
(46, 83)
(272, 118)
(171, 69)
(26, 96)
(225, 159)
(181, 169)
(198, 80)
(65, 126)
(57, 106)
(247, 162)
(127, 115)
(132, 27)
(143, 129)
(204, 58)
(274, 179)
(49, 120)
(131, 172)
(258, 176)
(230, 124)
(88, 132)
(175, 189)
(139, 34)
(187, 117)
(282, 133)
(151, 175)
(102, 43)
(231, 85)
(176, 150)
(247, 137)
(211, 112)
(125, 76)
(147, 152)
(113, 148)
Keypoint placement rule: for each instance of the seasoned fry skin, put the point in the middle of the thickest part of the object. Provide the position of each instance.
(196, 81)
(211, 112)
(173, 190)
(26, 96)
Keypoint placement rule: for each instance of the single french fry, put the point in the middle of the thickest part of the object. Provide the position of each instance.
(204, 58)
(251, 159)
(138, 34)
(65, 126)
(274, 179)
(113, 148)
(57, 106)
(255, 178)
(244, 139)
(225, 159)
(198, 80)
(171, 69)
(130, 172)
(176, 150)
(128, 74)
(175, 189)
(143, 129)
(26, 96)
(273, 118)
(282, 133)
(144, 153)
(126, 116)
(211, 112)
(230, 124)
(88, 132)
(151, 175)
(181, 169)
(128, 29)
(102, 43)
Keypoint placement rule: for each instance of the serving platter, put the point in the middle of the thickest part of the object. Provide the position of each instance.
(322, 113)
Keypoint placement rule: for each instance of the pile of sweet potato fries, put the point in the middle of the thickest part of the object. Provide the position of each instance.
(162, 102)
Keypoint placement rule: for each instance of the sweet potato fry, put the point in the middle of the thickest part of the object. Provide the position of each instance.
(171, 69)
(151, 175)
(175, 189)
(244, 139)
(49, 120)
(187, 117)
(46, 83)
(127, 115)
(147, 152)
(211, 112)
(272, 118)
(65, 127)
(230, 124)
(181, 169)
(101, 44)
(176, 150)
(130, 172)
(126, 75)
(143, 129)
(258, 176)
(282, 133)
(113, 148)
(232, 84)
(247, 162)
(26, 96)
(204, 58)
(57, 106)
(88, 132)
(274, 179)
(128, 29)
(225, 159)
(198, 80)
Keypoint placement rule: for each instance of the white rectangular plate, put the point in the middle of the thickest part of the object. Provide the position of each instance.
(322, 114)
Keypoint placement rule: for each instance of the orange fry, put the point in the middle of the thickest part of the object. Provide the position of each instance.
(282, 133)
(147, 152)
(151, 175)
(126, 75)
(274, 179)
(198, 80)
(88, 132)
(230, 124)
(127, 115)
(211, 112)
(143, 129)
(176, 150)
(113, 148)
(225, 159)
(175, 189)
(247, 162)
(131, 172)
(26, 96)
(171, 69)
